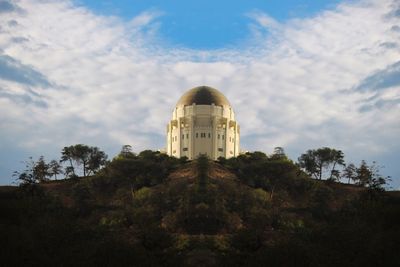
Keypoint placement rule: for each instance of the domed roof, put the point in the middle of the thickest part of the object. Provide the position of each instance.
(203, 95)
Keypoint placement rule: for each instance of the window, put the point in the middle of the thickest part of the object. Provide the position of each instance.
(219, 136)
(183, 136)
(185, 149)
(197, 135)
(220, 149)
(209, 135)
(223, 137)
(187, 136)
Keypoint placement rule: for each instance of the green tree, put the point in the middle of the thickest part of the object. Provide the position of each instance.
(126, 152)
(90, 158)
(35, 171)
(279, 153)
(55, 168)
(350, 173)
(316, 161)
(27, 176)
(41, 170)
(364, 174)
(336, 158)
(67, 154)
(370, 176)
(96, 160)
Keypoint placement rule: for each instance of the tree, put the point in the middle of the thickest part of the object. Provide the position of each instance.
(55, 168)
(349, 172)
(41, 170)
(279, 153)
(279, 173)
(35, 171)
(336, 157)
(126, 152)
(370, 176)
(67, 154)
(363, 174)
(316, 161)
(70, 172)
(308, 162)
(97, 159)
(90, 158)
(26, 176)
(82, 156)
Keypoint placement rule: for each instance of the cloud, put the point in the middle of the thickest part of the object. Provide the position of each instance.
(29, 97)
(8, 6)
(395, 28)
(328, 80)
(13, 70)
(381, 104)
(382, 79)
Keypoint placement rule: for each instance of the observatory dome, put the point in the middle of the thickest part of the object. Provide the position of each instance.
(203, 123)
(203, 95)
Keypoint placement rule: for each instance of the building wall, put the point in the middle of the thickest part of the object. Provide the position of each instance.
(203, 129)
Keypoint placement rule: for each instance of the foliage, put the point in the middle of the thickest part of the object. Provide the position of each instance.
(365, 175)
(55, 168)
(90, 158)
(316, 161)
(275, 173)
(35, 172)
(258, 211)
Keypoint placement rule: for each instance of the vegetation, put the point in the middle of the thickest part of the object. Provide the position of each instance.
(149, 209)
(90, 158)
(316, 161)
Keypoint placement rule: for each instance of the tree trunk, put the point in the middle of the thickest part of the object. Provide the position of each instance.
(72, 167)
(333, 168)
(320, 171)
(271, 195)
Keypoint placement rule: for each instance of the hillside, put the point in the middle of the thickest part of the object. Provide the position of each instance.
(200, 213)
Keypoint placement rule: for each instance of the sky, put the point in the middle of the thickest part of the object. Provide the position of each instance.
(299, 74)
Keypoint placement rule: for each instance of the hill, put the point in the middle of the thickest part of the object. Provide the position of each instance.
(162, 212)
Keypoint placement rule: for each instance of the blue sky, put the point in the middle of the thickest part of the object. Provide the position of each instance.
(299, 74)
(208, 24)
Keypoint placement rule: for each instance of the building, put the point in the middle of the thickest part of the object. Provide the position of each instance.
(203, 122)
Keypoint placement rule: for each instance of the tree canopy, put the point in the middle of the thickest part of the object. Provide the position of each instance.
(90, 158)
(316, 162)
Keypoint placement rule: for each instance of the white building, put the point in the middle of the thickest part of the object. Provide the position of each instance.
(203, 122)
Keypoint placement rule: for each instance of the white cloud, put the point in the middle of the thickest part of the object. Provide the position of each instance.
(113, 83)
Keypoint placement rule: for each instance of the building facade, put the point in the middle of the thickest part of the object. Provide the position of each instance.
(203, 122)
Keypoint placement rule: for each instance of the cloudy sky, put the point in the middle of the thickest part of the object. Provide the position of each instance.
(108, 73)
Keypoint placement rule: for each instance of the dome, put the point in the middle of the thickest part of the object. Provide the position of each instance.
(203, 95)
